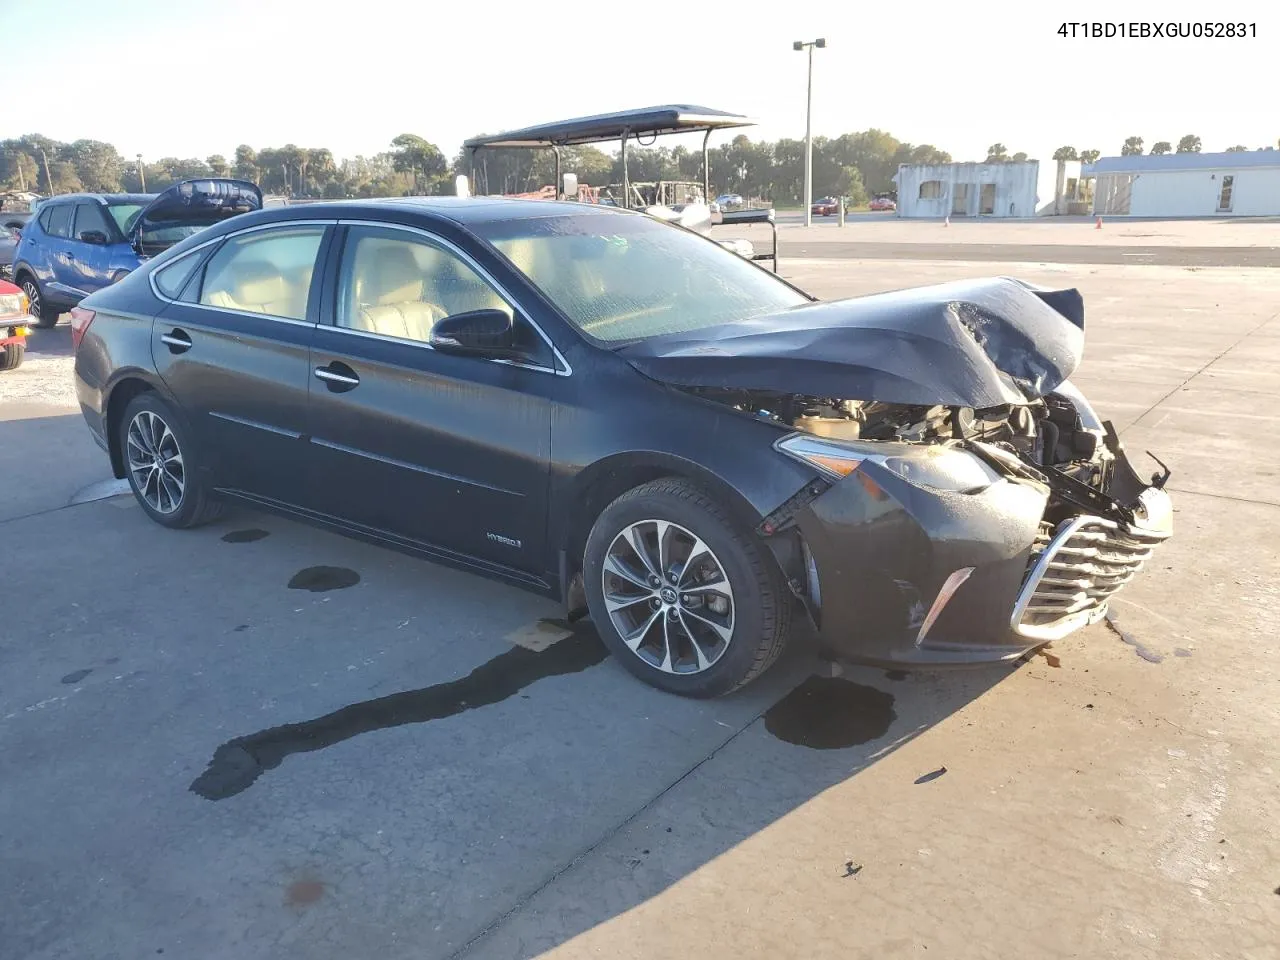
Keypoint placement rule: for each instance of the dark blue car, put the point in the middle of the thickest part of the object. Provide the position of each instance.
(79, 243)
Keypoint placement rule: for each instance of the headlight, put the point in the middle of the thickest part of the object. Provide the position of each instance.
(12, 303)
(931, 467)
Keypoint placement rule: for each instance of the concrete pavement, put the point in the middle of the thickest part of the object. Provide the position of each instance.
(262, 740)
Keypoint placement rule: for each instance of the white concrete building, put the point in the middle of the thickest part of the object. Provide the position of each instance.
(1245, 184)
(1012, 189)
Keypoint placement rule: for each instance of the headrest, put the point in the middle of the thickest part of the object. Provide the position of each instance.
(393, 276)
(257, 282)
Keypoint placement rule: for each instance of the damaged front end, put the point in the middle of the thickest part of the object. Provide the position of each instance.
(960, 531)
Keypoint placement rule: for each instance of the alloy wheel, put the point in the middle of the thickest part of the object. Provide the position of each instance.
(32, 290)
(155, 462)
(668, 597)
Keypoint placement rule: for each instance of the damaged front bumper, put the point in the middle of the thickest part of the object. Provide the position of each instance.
(892, 572)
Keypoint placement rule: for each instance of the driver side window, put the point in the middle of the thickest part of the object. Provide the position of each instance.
(399, 285)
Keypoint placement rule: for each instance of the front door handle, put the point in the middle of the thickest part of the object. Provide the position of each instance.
(338, 377)
(176, 340)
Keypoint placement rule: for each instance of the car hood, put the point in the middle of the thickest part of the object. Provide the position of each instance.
(196, 203)
(973, 343)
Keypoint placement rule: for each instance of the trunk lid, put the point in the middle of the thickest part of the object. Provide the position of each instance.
(187, 207)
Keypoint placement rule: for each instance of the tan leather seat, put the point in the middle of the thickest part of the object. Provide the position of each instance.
(389, 289)
(256, 287)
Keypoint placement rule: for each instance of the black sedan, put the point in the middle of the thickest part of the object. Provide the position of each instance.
(623, 415)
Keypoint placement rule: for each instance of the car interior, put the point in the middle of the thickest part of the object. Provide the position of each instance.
(258, 286)
(402, 289)
(388, 292)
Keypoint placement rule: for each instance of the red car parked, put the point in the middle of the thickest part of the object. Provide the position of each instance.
(826, 207)
(13, 325)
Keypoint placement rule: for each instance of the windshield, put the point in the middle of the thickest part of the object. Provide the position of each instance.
(123, 214)
(624, 278)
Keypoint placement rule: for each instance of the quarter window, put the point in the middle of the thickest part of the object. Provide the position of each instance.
(59, 222)
(267, 271)
(399, 285)
(172, 278)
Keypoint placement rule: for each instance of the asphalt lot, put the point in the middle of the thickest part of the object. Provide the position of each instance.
(260, 740)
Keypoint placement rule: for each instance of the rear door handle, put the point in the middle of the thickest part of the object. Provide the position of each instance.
(176, 340)
(338, 377)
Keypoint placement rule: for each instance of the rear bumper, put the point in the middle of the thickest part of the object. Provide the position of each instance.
(898, 574)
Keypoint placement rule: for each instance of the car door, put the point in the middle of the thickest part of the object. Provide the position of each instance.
(91, 261)
(441, 449)
(233, 346)
(58, 256)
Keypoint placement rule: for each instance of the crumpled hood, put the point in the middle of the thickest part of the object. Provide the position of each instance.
(971, 343)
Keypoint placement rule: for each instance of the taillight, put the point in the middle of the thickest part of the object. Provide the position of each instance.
(80, 320)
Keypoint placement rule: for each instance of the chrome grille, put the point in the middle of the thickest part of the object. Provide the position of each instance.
(1073, 575)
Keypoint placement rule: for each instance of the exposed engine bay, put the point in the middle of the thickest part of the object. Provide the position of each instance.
(1048, 440)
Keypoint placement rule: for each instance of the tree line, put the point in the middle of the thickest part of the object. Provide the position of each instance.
(1188, 144)
(854, 165)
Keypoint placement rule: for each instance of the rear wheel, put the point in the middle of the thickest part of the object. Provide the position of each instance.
(43, 314)
(686, 597)
(162, 466)
(12, 355)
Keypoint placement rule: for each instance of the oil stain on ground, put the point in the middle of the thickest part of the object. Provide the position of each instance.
(238, 763)
(76, 676)
(1145, 652)
(831, 713)
(302, 893)
(320, 579)
(244, 536)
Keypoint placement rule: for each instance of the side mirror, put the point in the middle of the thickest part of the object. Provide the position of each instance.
(94, 236)
(477, 333)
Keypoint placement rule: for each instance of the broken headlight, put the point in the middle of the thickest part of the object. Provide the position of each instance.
(932, 467)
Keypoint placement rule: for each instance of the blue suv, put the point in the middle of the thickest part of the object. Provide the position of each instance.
(79, 243)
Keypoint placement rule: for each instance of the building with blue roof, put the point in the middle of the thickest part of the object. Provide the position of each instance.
(1240, 184)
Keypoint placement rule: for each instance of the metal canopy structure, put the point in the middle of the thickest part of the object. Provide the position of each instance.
(622, 126)
(642, 122)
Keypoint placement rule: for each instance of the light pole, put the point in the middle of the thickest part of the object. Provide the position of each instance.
(141, 175)
(808, 129)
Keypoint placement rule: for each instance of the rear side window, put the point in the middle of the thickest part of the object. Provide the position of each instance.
(90, 216)
(172, 278)
(267, 271)
(59, 222)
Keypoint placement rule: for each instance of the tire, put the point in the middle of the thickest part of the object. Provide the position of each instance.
(666, 656)
(159, 426)
(11, 356)
(43, 314)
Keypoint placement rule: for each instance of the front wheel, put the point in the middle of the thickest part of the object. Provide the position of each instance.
(686, 597)
(11, 355)
(161, 465)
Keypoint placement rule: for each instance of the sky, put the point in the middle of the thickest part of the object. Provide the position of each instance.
(189, 78)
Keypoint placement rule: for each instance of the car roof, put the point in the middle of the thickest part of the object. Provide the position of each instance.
(460, 210)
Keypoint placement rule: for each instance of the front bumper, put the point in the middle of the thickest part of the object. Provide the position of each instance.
(893, 573)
